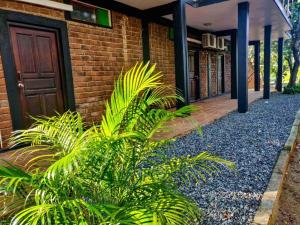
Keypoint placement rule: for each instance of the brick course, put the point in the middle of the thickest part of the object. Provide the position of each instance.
(32, 9)
(214, 77)
(227, 72)
(98, 56)
(162, 52)
(203, 74)
(5, 118)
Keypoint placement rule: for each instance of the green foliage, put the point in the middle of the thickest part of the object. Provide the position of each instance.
(274, 59)
(288, 56)
(291, 51)
(291, 90)
(111, 173)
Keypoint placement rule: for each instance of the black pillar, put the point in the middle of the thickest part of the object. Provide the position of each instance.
(280, 70)
(233, 38)
(257, 66)
(145, 38)
(243, 39)
(267, 61)
(181, 51)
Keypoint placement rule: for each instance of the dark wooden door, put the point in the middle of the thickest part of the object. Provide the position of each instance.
(37, 62)
(193, 75)
(221, 75)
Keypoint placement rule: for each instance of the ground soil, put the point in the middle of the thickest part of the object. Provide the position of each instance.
(289, 202)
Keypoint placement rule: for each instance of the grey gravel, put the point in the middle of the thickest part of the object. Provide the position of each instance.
(253, 141)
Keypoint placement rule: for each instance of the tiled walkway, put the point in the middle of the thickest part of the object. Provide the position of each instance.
(208, 111)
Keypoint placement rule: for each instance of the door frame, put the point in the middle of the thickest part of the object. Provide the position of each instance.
(222, 56)
(209, 88)
(10, 17)
(196, 49)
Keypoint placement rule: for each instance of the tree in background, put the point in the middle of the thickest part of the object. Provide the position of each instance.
(292, 46)
(274, 59)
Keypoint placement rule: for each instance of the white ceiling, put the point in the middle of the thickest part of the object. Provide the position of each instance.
(145, 4)
(223, 16)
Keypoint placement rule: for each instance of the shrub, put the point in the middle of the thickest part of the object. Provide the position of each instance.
(291, 90)
(110, 173)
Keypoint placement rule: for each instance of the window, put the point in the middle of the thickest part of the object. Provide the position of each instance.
(103, 17)
(91, 14)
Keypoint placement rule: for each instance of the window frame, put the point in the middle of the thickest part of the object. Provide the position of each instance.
(68, 15)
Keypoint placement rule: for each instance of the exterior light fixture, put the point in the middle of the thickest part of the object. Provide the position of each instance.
(207, 24)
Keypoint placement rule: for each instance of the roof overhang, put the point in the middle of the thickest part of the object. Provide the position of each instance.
(220, 15)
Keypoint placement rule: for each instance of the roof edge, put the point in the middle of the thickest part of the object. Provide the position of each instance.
(283, 12)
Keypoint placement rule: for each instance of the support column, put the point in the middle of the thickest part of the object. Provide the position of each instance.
(181, 51)
(233, 38)
(257, 66)
(280, 65)
(267, 61)
(243, 39)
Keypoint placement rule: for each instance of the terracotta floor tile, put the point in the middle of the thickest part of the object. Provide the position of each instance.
(209, 111)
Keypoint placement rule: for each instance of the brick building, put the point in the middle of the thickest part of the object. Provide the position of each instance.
(65, 55)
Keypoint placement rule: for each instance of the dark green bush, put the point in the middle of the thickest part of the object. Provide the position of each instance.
(297, 88)
(291, 90)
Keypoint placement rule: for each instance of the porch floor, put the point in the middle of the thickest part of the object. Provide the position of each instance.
(208, 111)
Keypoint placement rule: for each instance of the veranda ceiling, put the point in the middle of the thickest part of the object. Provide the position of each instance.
(223, 16)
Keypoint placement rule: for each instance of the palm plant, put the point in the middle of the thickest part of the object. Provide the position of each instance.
(112, 173)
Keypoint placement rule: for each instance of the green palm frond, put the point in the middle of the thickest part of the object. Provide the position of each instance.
(107, 174)
(160, 204)
(15, 188)
(127, 90)
(59, 132)
(59, 140)
(194, 169)
(12, 176)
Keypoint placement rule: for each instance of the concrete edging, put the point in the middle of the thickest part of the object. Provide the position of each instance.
(269, 206)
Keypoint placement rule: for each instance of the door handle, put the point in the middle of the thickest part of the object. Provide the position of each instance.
(20, 84)
(19, 74)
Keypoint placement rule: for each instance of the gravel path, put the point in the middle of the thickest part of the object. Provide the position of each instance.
(253, 141)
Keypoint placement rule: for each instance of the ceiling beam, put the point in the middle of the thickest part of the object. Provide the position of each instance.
(224, 32)
(159, 11)
(201, 3)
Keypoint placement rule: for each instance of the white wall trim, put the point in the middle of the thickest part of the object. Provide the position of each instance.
(50, 4)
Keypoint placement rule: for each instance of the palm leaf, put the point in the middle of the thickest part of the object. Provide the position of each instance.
(107, 174)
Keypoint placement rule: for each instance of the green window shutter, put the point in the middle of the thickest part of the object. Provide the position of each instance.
(103, 17)
(171, 33)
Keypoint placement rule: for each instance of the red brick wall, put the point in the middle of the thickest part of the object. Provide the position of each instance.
(162, 52)
(5, 119)
(227, 72)
(251, 77)
(203, 73)
(32, 9)
(98, 56)
(213, 67)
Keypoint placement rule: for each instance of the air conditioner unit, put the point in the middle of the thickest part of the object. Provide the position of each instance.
(221, 43)
(209, 40)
